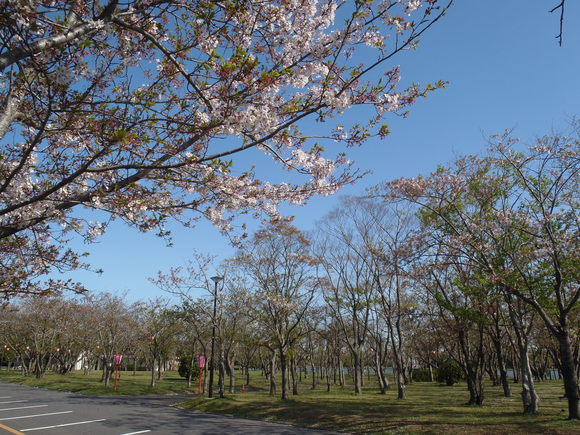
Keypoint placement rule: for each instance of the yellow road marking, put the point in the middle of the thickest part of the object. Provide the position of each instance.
(9, 429)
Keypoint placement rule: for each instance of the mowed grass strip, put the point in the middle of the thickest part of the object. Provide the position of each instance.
(429, 408)
(128, 384)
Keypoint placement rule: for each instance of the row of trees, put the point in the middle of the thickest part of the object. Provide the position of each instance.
(476, 263)
(125, 107)
(59, 334)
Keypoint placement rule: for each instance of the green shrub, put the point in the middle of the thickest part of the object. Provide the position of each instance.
(449, 372)
(422, 375)
(185, 367)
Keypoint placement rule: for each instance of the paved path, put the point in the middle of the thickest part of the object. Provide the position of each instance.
(28, 410)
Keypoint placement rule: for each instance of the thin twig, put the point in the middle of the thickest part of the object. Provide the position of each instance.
(561, 7)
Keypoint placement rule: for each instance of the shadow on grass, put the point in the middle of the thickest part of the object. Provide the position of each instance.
(428, 409)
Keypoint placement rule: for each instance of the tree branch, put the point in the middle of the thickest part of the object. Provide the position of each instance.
(561, 7)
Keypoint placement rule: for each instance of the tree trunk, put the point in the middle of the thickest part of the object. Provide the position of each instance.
(401, 390)
(569, 374)
(153, 373)
(231, 374)
(107, 371)
(357, 373)
(191, 368)
(221, 374)
(284, 371)
(475, 387)
(380, 374)
(273, 374)
(515, 371)
(314, 377)
(294, 379)
(501, 367)
(529, 397)
(473, 366)
(232, 380)
(327, 372)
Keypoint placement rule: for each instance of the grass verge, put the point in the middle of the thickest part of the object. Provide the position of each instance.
(129, 384)
(429, 408)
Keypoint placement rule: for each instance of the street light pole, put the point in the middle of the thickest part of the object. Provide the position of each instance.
(216, 280)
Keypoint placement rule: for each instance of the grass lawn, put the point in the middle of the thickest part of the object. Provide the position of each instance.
(429, 408)
(129, 384)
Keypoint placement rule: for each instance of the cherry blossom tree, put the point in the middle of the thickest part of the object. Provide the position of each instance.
(513, 216)
(348, 283)
(137, 108)
(280, 265)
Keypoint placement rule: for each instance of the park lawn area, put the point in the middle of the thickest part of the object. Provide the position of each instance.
(129, 383)
(429, 408)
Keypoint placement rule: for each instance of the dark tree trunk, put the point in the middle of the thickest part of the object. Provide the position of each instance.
(190, 371)
(569, 374)
(501, 367)
(284, 372)
(475, 388)
(230, 373)
(221, 375)
(357, 373)
(328, 383)
(314, 377)
(474, 366)
(294, 378)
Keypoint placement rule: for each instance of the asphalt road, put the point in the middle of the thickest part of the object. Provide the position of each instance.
(28, 410)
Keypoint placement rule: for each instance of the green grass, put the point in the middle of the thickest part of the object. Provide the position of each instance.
(129, 384)
(429, 408)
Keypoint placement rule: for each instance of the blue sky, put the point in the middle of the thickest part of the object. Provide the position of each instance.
(506, 71)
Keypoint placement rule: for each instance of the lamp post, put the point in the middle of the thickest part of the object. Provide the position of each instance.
(216, 280)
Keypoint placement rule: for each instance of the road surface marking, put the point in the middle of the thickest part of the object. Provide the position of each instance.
(36, 415)
(23, 407)
(13, 401)
(11, 430)
(61, 425)
(134, 433)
